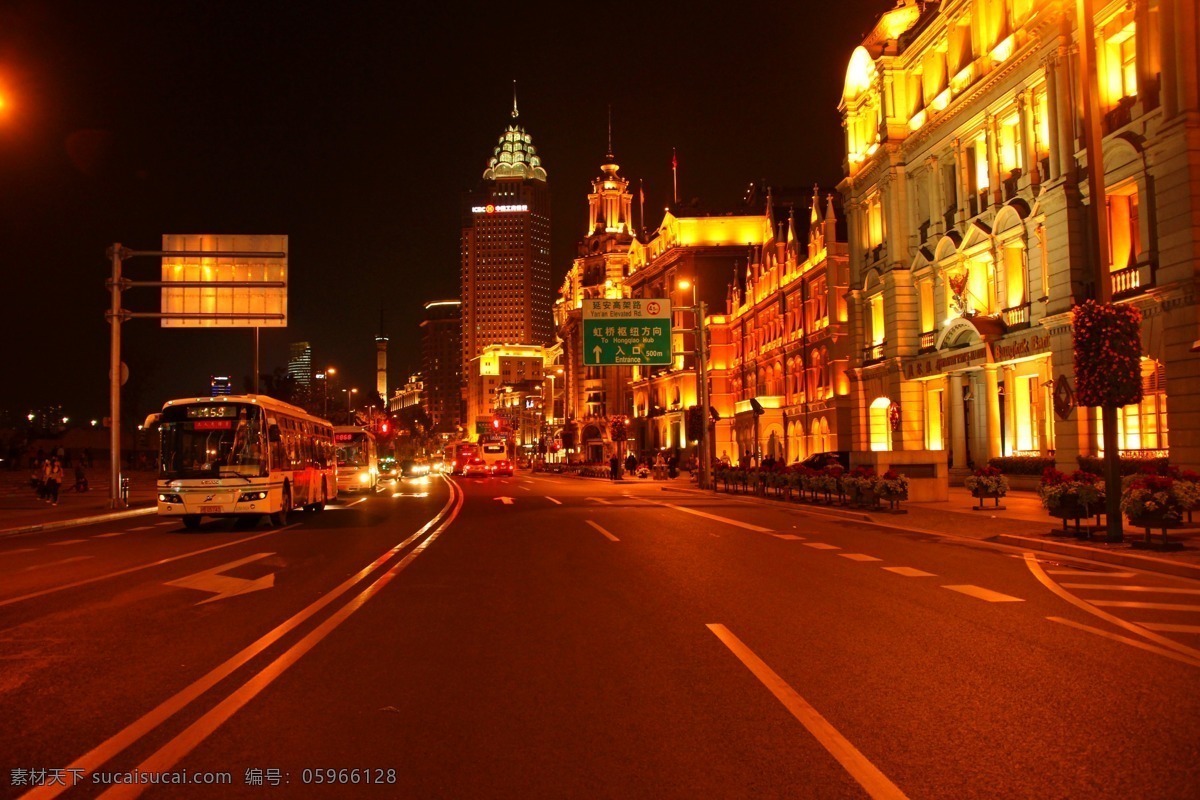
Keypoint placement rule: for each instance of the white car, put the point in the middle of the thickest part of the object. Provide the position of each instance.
(476, 468)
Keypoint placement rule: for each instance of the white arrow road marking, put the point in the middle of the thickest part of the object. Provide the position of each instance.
(508, 501)
(210, 580)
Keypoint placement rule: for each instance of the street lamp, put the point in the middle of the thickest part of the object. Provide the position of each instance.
(350, 403)
(698, 313)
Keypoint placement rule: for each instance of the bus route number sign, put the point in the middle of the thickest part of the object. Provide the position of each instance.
(632, 332)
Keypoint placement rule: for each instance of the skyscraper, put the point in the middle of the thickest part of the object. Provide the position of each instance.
(506, 292)
(300, 363)
(441, 363)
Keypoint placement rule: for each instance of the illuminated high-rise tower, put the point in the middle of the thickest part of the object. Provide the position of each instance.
(506, 292)
(381, 344)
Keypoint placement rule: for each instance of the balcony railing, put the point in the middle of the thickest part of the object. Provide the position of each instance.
(1016, 317)
(1132, 280)
(873, 353)
(928, 340)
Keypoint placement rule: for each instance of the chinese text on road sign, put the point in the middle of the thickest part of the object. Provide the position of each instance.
(633, 332)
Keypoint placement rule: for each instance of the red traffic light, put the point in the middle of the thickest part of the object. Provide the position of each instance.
(383, 427)
(496, 423)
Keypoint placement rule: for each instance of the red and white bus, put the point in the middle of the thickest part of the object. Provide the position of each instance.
(457, 454)
(242, 456)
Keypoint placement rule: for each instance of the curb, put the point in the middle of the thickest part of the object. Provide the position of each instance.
(77, 522)
(1147, 563)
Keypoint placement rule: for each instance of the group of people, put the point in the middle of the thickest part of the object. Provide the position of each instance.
(47, 479)
(662, 467)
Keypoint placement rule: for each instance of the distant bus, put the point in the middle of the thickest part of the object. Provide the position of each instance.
(457, 454)
(242, 456)
(491, 452)
(357, 459)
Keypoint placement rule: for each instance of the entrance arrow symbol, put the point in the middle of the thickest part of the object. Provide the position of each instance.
(597, 351)
(508, 501)
(210, 580)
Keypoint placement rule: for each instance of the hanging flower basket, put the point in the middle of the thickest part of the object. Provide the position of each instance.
(1107, 338)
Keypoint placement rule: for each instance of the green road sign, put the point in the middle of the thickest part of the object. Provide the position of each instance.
(634, 332)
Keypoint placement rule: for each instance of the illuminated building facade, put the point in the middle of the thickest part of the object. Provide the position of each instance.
(704, 251)
(966, 190)
(300, 363)
(590, 395)
(411, 396)
(441, 364)
(492, 378)
(790, 345)
(505, 250)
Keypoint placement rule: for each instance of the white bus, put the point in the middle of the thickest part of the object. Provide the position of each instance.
(491, 452)
(242, 456)
(357, 459)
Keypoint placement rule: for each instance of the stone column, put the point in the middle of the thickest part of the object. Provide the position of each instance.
(958, 433)
(1052, 117)
(992, 399)
(1010, 410)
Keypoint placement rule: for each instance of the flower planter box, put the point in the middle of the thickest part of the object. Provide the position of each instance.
(993, 496)
(1159, 522)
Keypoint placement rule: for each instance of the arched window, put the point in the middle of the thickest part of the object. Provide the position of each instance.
(880, 424)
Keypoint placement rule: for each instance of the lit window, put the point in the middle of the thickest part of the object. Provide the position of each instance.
(881, 425)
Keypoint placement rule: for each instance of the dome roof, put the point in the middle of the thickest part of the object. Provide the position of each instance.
(515, 157)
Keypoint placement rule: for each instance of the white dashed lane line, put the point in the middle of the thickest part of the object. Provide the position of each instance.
(67, 541)
(821, 546)
(911, 572)
(109, 535)
(556, 502)
(980, 593)
(859, 557)
(790, 537)
(144, 528)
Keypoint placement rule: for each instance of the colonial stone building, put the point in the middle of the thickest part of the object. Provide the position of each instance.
(593, 395)
(966, 192)
(783, 391)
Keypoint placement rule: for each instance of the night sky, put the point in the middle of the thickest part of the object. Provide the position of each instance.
(354, 128)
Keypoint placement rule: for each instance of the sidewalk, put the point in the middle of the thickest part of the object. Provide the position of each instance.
(1022, 523)
(22, 512)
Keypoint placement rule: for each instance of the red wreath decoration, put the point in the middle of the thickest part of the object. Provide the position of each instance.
(1108, 352)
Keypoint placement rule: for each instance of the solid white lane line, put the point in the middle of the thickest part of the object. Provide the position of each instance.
(160, 524)
(144, 528)
(1036, 568)
(1168, 627)
(1138, 604)
(14, 552)
(175, 750)
(1108, 588)
(983, 594)
(911, 572)
(1116, 637)
(67, 541)
(726, 520)
(556, 502)
(606, 533)
(58, 563)
(859, 557)
(1089, 573)
(127, 571)
(120, 741)
(876, 784)
(109, 535)
(821, 546)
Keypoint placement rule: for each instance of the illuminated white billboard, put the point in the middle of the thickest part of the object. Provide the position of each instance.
(217, 300)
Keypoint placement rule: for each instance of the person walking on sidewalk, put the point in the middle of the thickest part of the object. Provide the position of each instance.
(54, 478)
(614, 467)
(631, 463)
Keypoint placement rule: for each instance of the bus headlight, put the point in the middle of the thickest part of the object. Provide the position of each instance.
(250, 497)
(170, 498)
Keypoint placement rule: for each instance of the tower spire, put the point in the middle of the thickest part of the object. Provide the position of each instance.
(514, 111)
(610, 150)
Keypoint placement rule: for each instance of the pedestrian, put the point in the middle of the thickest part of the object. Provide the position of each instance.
(631, 463)
(53, 480)
(81, 481)
(614, 468)
(673, 466)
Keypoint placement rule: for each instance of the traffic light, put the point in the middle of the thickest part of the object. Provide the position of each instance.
(496, 423)
(383, 427)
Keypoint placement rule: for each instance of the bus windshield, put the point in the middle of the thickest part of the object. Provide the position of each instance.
(207, 441)
(352, 450)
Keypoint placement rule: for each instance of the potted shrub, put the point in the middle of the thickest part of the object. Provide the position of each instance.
(1071, 497)
(892, 487)
(1157, 501)
(987, 482)
(860, 486)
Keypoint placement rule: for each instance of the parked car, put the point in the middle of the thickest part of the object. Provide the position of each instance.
(822, 460)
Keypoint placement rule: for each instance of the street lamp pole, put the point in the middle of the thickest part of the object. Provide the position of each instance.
(699, 312)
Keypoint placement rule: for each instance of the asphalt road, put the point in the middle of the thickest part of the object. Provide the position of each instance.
(557, 637)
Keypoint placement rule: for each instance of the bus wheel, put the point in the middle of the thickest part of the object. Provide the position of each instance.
(191, 521)
(324, 499)
(279, 518)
